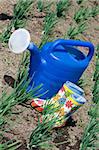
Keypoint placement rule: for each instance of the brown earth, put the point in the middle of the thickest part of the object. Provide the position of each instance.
(23, 120)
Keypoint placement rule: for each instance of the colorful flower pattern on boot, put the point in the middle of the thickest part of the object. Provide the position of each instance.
(65, 100)
(62, 112)
(69, 104)
(56, 97)
(62, 101)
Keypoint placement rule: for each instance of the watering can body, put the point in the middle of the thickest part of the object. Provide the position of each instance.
(56, 63)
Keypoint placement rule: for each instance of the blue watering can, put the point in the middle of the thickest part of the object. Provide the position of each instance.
(56, 63)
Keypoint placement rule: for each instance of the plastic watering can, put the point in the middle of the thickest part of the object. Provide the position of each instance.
(56, 62)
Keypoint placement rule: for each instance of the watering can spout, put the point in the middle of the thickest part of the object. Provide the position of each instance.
(33, 49)
(35, 58)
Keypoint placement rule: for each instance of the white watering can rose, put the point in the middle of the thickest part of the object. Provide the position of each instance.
(19, 41)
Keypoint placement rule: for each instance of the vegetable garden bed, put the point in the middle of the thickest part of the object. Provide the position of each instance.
(47, 21)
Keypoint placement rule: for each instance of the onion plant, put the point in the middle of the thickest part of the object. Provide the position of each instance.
(81, 83)
(19, 93)
(90, 137)
(42, 134)
(91, 133)
(61, 6)
(10, 145)
(74, 31)
(42, 6)
(95, 11)
(85, 13)
(96, 78)
(19, 18)
(82, 14)
(49, 23)
(17, 96)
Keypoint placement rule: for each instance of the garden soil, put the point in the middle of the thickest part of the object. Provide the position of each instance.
(24, 119)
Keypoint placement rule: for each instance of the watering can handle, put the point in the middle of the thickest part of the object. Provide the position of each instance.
(75, 43)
